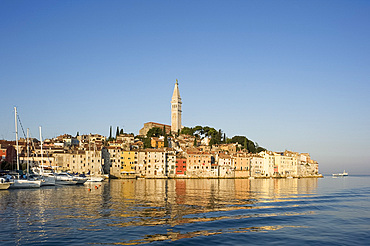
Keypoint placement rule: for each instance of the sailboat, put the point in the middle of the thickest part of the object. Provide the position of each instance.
(17, 182)
(48, 177)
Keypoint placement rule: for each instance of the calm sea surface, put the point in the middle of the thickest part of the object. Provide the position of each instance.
(327, 211)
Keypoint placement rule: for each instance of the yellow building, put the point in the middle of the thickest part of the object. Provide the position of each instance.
(128, 162)
(157, 142)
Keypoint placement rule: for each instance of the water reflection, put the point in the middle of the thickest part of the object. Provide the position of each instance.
(152, 210)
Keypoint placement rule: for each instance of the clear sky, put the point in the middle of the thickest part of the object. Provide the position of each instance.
(287, 74)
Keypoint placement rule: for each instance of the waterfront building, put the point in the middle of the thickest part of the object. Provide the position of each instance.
(226, 164)
(200, 164)
(286, 164)
(78, 161)
(268, 163)
(242, 163)
(257, 169)
(155, 163)
(115, 161)
(180, 166)
(140, 167)
(176, 109)
(171, 163)
(128, 163)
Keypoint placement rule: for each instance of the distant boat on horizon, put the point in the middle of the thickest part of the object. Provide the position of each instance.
(340, 174)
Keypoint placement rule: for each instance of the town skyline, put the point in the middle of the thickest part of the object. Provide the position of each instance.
(287, 75)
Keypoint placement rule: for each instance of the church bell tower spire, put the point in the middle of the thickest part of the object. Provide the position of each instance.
(176, 109)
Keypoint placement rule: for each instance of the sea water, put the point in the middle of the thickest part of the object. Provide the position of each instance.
(310, 211)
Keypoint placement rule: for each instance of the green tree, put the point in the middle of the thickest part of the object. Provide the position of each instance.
(251, 147)
(121, 131)
(187, 131)
(165, 137)
(260, 149)
(110, 134)
(245, 144)
(147, 143)
(117, 132)
(154, 132)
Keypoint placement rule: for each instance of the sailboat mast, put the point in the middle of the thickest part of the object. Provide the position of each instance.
(28, 153)
(16, 135)
(42, 154)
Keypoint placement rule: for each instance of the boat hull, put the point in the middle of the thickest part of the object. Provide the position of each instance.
(23, 183)
(48, 181)
(65, 182)
(95, 179)
(4, 186)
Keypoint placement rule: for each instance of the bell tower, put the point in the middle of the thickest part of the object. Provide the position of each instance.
(176, 109)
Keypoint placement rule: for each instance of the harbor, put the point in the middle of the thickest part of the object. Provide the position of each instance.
(188, 211)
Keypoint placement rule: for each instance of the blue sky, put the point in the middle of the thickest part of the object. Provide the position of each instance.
(287, 74)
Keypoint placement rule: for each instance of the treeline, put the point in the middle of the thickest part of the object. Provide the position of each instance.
(199, 132)
(218, 137)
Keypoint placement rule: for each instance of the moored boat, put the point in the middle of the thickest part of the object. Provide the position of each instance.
(80, 180)
(4, 185)
(19, 183)
(95, 179)
(65, 179)
(25, 183)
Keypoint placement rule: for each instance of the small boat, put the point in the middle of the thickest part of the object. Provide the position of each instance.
(80, 180)
(25, 183)
(95, 179)
(46, 176)
(65, 179)
(344, 174)
(4, 185)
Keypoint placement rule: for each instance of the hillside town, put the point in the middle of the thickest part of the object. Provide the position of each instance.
(159, 151)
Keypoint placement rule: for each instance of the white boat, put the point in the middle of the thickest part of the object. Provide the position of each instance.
(22, 183)
(344, 174)
(47, 177)
(95, 179)
(80, 180)
(25, 183)
(4, 185)
(65, 179)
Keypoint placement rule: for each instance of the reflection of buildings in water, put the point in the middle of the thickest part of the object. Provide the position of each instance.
(242, 189)
(159, 202)
(307, 185)
(275, 188)
(180, 191)
(39, 210)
